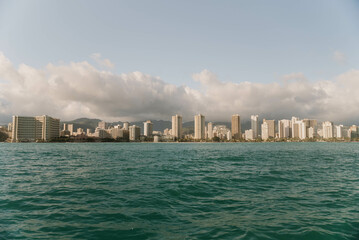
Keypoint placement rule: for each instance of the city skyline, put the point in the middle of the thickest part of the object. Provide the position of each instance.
(45, 128)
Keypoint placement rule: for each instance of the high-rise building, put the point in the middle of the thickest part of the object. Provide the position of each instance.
(302, 129)
(295, 130)
(311, 132)
(101, 133)
(102, 125)
(42, 128)
(265, 130)
(126, 126)
(229, 136)
(70, 128)
(147, 128)
(134, 132)
(118, 132)
(271, 128)
(210, 130)
(310, 123)
(284, 128)
(249, 134)
(236, 127)
(199, 124)
(177, 126)
(339, 131)
(328, 130)
(299, 128)
(255, 126)
(353, 131)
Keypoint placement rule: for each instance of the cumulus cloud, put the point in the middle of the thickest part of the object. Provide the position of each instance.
(339, 57)
(79, 89)
(103, 62)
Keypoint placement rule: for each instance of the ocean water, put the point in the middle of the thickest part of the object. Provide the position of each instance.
(179, 191)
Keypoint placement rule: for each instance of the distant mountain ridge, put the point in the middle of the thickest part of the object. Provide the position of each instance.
(158, 125)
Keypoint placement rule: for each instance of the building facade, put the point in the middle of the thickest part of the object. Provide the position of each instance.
(199, 127)
(255, 126)
(39, 128)
(284, 128)
(134, 133)
(236, 127)
(328, 130)
(177, 126)
(148, 128)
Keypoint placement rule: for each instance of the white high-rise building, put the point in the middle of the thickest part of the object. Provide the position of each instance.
(248, 134)
(328, 130)
(70, 128)
(177, 126)
(265, 131)
(147, 128)
(271, 128)
(229, 136)
(199, 124)
(284, 128)
(42, 128)
(255, 126)
(311, 132)
(302, 129)
(134, 133)
(126, 126)
(210, 130)
(339, 131)
(295, 130)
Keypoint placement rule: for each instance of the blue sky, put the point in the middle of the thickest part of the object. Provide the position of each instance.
(256, 41)
(67, 58)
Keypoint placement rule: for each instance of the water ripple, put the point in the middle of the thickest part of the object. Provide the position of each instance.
(179, 191)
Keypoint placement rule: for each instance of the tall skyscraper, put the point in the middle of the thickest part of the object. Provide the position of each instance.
(339, 131)
(43, 128)
(295, 132)
(265, 130)
(210, 130)
(199, 125)
(284, 128)
(70, 128)
(134, 133)
(328, 130)
(177, 126)
(302, 129)
(255, 125)
(236, 127)
(147, 128)
(271, 128)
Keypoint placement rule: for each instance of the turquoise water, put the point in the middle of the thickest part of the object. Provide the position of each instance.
(179, 191)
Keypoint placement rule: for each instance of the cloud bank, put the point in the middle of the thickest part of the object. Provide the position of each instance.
(79, 89)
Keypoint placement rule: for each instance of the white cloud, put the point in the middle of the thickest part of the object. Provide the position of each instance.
(103, 62)
(79, 89)
(339, 57)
